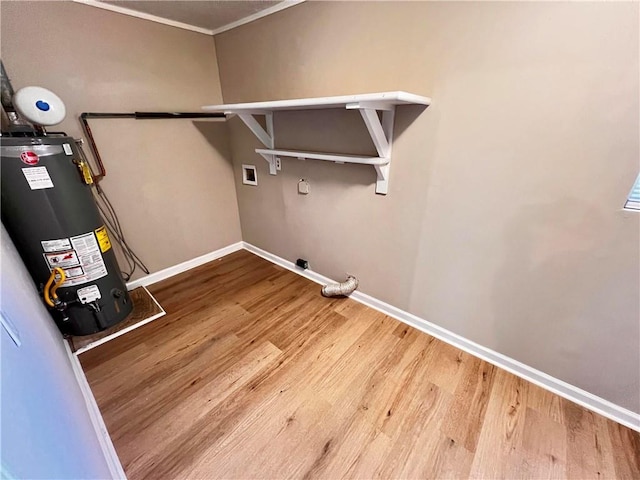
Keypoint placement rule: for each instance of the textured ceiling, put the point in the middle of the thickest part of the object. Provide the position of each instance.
(210, 14)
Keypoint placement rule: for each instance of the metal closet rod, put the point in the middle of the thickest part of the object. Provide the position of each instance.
(138, 116)
(152, 115)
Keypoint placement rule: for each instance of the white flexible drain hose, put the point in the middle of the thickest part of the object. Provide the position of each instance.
(337, 289)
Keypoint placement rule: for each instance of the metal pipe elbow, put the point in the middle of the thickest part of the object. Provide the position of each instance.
(340, 289)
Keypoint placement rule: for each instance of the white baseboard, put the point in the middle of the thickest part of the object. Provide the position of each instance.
(570, 392)
(184, 266)
(108, 450)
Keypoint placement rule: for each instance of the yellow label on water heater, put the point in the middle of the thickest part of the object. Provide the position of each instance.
(103, 239)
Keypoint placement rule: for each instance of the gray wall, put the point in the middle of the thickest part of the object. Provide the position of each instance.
(46, 430)
(503, 222)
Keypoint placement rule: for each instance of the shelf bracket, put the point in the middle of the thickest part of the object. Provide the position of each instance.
(378, 136)
(271, 160)
(265, 136)
(381, 132)
(382, 183)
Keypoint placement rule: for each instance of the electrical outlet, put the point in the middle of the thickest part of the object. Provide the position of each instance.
(303, 187)
(278, 163)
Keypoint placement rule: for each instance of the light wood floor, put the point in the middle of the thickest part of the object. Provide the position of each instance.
(253, 374)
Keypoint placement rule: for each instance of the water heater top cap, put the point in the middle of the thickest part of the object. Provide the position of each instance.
(39, 105)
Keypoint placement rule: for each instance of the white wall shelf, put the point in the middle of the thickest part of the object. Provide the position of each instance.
(380, 128)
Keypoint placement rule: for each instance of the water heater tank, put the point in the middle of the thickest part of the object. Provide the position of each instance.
(50, 214)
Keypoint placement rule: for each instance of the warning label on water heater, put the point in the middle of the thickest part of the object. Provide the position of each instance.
(56, 245)
(37, 178)
(79, 257)
(103, 239)
(88, 250)
(62, 259)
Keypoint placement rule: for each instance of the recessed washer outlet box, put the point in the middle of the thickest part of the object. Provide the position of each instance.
(249, 175)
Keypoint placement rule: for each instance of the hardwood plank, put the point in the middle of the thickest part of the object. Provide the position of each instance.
(253, 374)
(544, 442)
(589, 451)
(370, 457)
(499, 452)
(626, 451)
(466, 416)
(202, 401)
(548, 404)
(423, 413)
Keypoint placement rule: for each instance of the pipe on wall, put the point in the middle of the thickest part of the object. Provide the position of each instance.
(16, 122)
(136, 115)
